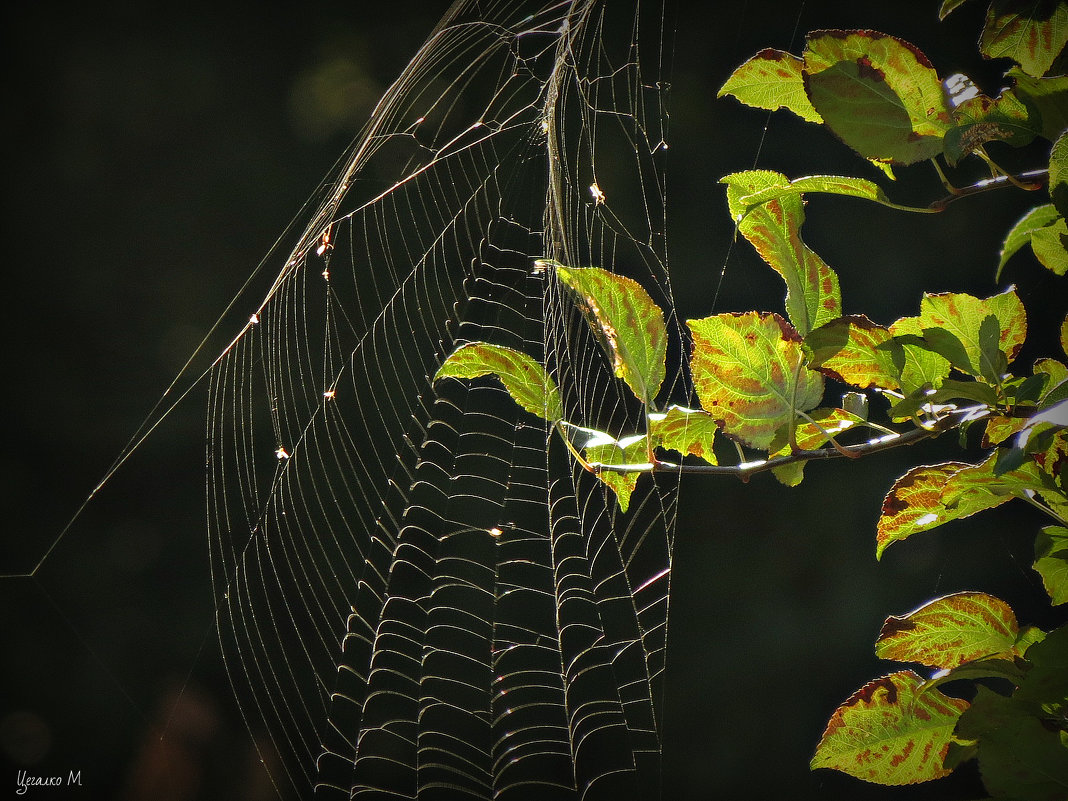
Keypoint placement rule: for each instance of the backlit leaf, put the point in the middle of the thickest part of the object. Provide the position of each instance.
(962, 315)
(919, 365)
(949, 631)
(1058, 173)
(771, 80)
(1030, 33)
(627, 451)
(526, 380)
(1051, 561)
(629, 325)
(1049, 96)
(826, 184)
(1064, 336)
(878, 94)
(810, 435)
(929, 496)
(1050, 244)
(688, 431)
(1020, 234)
(847, 349)
(888, 732)
(749, 374)
(774, 229)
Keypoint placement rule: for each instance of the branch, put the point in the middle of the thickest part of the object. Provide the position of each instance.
(1031, 180)
(747, 469)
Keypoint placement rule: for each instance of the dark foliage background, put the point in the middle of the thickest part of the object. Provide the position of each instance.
(154, 153)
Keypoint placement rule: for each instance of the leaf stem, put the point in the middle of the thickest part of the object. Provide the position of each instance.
(1031, 181)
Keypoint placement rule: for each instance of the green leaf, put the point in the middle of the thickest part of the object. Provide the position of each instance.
(629, 325)
(992, 360)
(878, 94)
(810, 435)
(848, 350)
(688, 431)
(948, 345)
(950, 631)
(918, 366)
(982, 119)
(990, 668)
(826, 184)
(887, 732)
(1048, 96)
(526, 380)
(1019, 757)
(626, 451)
(1051, 562)
(774, 229)
(962, 315)
(1020, 233)
(1058, 173)
(1064, 336)
(1050, 244)
(929, 496)
(1030, 33)
(771, 80)
(748, 371)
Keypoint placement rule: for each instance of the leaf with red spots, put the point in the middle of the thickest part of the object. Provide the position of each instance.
(949, 631)
(688, 431)
(629, 325)
(878, 94)
(928, 496)
(774, 229)
(526, 380)
(749, 373)
(888, 732)
(1030, 33)
(771, 80)
(853, 350)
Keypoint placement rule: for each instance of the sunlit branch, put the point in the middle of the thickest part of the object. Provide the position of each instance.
(1031, 180)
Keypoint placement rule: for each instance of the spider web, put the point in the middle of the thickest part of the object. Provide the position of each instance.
(418, 592)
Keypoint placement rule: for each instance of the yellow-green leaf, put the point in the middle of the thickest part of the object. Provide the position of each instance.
(962, 315)
(631, 451)
(629, 325)
(771, 80)
(949, 631)
(749, 373)
(929, 496)
(888, 732)
(774, 229)
(878, 94)
(1050, 244)
(1064, 336)
(688, 431)
(826, 184)
(1058, 171)
(983, 119)
(848, 349)
(1031, 34)
(1020, 233)
(920, 366)
(1051, 561)
(810, 434)
(526, 380)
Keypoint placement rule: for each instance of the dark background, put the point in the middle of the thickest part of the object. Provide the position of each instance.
(153, 156)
